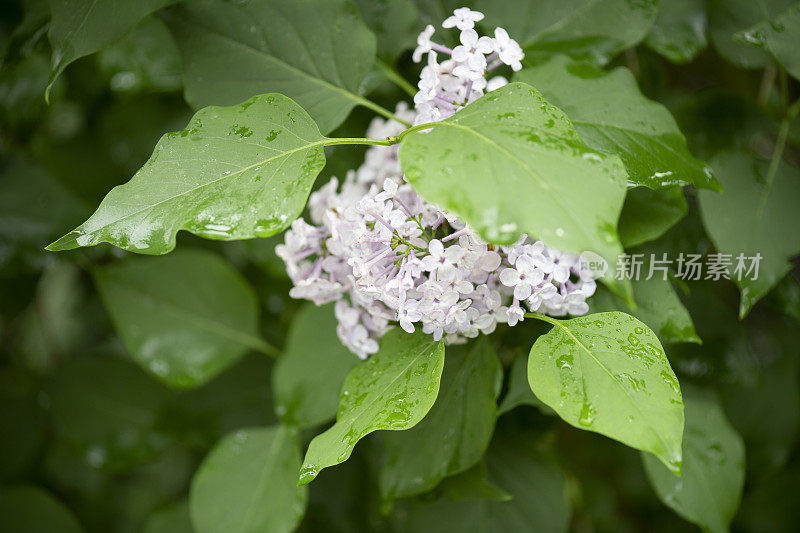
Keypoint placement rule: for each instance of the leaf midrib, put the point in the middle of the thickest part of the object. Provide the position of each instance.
(321, 142)
(613, 378)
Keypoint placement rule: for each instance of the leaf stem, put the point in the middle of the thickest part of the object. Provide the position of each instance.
(396, 78)
(260, 345)
(544, 318)
(791, 113)
(388, 141)
(360, 140)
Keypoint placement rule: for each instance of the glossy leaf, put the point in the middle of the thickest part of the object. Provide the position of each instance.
(780, 36)
(31, 509)
(234, 173)
(308, 377)
(512, 163)
(317, 53)
(587, 29)
(608, 373)
(749, 217)
(393, 390)
(710, 488)
(79, 28)
(647, 214)
(729, 17)
(82, 394)
(185, 317)
(679, 32)
(248, 483)
(455, 433)
(611, 115)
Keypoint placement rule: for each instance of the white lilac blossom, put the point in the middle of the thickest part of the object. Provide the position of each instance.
(387, 257)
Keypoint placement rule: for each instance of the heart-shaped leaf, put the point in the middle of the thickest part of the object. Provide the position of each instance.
(234, 173)
(608, 373)
(511, 163)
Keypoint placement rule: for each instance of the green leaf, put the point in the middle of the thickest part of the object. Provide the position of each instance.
(611, 115)
(107, 409)
(780, 36)
(728, 17)
(657, 305)
(710, 488)
(751, 217)
(534, 481)
(394, 23)
(308, 377)
(247, 484)
(185, 317)
(30, 509)
(79, 28)
(587, 29)
(393, 390)
(608, 373)
(318, 53)
(511, 163)
(647, 214)
(172, 519)
(262, 154)
(146, 59)
(679, 32)
(455, 433)
(519, 390)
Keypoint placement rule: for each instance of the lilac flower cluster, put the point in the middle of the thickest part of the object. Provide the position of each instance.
(386, 256)
(447, 87)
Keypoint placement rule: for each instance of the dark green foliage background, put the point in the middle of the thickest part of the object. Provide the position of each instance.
(90, 441)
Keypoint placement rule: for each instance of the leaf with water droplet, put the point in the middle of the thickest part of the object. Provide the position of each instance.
(545, 187)
(393, 390)
(204, 180)
(456, 432)
(709, 490)
(247, 483)
(679, 32)
(781, 36)
(619, 384)
(185, 317)
(611, 115)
